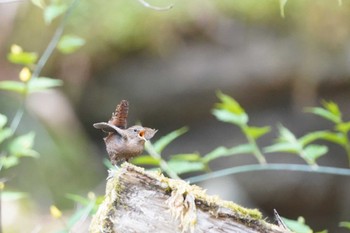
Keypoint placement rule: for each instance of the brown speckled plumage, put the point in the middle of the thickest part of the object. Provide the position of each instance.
(123, 143)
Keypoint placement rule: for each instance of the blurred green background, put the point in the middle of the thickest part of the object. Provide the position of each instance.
(169, 64)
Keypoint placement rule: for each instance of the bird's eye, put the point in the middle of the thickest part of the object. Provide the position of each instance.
(135, 130)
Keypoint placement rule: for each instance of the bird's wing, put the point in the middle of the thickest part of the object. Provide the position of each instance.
(108, 128)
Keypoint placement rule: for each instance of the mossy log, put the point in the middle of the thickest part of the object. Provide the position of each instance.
(140, 201)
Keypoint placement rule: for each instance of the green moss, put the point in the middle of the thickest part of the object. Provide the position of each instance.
(252, 213)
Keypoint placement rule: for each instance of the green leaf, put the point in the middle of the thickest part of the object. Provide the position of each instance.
(229, 110)
(70, 43)
(241, 149)
(12, 196)
(313, 152)
(286, 142)
(286, 135)
(180, 166)
(53, 11)
(343, 127)
(282, 5)
(324, 113)
(345, 225)
(223, 152)
(229, 104)
(256, 132)
(167, 139)
(214, 154)
(22, 146)
(43, 83)
(5, 134)
(282, 147)
(14, 86)
(146, 160)
(324, 231)
(230, 117)
(8, 161)
(186, 157)
(297, 226)
(22, 58)
(332, 107)
(3, 120)
(337, 138)
(39, 3)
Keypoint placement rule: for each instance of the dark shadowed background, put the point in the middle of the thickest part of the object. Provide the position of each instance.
(169, 66)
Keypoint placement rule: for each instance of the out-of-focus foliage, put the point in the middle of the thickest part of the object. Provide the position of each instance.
(20, 146)
(177, 164)
(228, 110)
(299, 225)
(287, 142)
(27, 84)
(89, 206)
(339, 135)
(18, 56)
(14, 146)
(70, 43)
(345, 225)
(106, 27)
(136, 27)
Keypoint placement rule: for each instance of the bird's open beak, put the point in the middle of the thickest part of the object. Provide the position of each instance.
(142, 134)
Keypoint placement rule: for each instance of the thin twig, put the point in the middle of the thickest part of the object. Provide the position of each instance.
(256, 151)
(53, 42)
(146, 4)
(18, 117)
(275, 166)
(42, 61)
(10, 1)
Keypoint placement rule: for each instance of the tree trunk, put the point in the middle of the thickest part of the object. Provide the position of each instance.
(140, 201)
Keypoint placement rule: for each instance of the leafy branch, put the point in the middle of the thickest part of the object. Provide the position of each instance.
(287, 142)
(229, 111)
(14, 147)
(30, 82)
(330, 111)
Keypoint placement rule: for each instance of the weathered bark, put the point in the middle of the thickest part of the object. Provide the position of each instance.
(139, 201)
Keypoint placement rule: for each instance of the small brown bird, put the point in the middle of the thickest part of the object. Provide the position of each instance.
(124, 143)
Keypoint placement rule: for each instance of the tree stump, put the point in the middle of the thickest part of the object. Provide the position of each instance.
(144, 201)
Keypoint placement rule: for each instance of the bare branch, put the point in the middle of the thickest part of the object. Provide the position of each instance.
(146, 4)
(10, 1)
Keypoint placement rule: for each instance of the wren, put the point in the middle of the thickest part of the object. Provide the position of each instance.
(123, 143)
